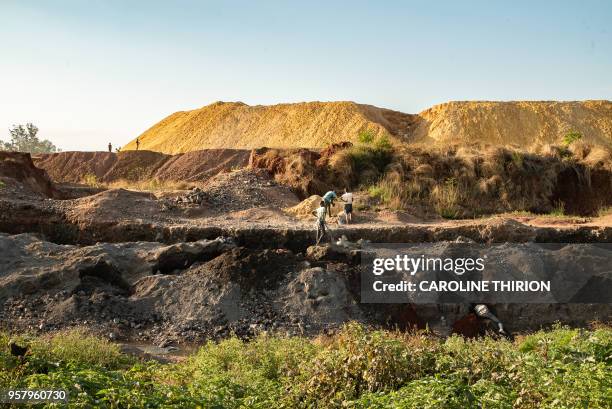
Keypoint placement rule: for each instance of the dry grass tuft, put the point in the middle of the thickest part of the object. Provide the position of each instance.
(150, 185)
(472, 181)
(144, 184)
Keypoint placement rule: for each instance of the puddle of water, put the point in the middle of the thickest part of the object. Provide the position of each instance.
(166, 354)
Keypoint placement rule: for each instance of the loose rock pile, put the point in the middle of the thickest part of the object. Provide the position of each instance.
(196, 196)
(234, 191)
(246, 189)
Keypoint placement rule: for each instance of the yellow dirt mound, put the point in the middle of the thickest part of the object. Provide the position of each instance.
(304, 209)
(521, 123)
(237, 125)
(319, 124)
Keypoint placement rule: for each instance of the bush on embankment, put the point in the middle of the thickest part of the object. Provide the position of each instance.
(356, 368)
(467, 182)
(457, 181)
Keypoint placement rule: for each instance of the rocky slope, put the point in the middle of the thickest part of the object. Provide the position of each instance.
(319, 124)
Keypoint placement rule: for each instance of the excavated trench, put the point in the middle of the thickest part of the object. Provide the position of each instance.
(163, 284)
(55, 228)
(241, 283)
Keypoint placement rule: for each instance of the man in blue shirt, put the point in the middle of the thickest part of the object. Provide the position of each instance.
(329, 198)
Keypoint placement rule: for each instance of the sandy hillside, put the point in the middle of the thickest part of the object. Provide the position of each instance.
(521, 122)
(318, 124)
(240, 126)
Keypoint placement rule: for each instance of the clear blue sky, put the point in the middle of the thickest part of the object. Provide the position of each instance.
(90, 72)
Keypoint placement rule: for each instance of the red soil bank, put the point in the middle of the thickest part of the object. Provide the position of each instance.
(140, 165)
(19, 167)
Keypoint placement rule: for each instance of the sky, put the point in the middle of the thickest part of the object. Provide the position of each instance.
(91, 72)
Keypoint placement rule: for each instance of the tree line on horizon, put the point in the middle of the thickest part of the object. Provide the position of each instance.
(24, 138)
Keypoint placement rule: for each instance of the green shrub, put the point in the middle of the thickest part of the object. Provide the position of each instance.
(429, 392)
(571, 137)
(379, 192)
(366, 136)
(383, 143)
(517, 158)
(359, 361)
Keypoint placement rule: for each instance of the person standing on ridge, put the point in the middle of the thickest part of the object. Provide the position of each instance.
(347, 198)
(137, 143)
(110, 147)
(329, 198)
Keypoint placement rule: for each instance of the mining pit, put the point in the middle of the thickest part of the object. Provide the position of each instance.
(176, 268)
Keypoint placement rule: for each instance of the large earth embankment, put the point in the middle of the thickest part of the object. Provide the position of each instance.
(142, 165)
(319, 124)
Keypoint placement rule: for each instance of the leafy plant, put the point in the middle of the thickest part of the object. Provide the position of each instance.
(366, 136)
(383, 143)
(379, 193)
(571, 137)
(78, 347)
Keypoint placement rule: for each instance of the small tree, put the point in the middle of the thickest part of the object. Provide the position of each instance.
(25, 139)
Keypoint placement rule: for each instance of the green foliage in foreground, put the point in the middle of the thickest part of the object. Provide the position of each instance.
(357, 368)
